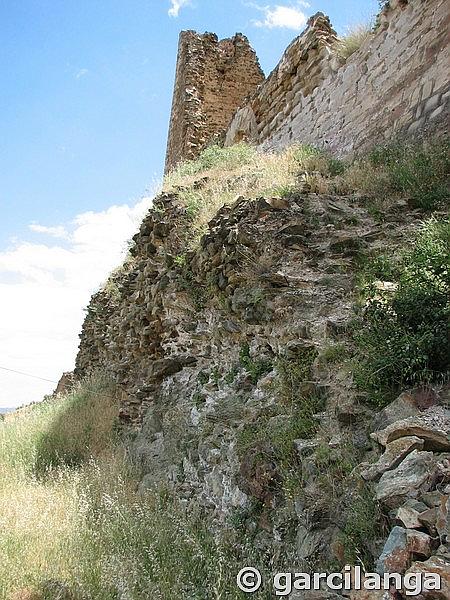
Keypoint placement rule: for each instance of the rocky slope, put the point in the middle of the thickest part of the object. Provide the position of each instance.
(231, 358)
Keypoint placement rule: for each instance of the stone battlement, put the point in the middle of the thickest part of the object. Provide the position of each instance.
(213, 78)
(396, 83)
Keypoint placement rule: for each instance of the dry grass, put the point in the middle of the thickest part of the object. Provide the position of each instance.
(40, 517)
(220, 175)
(352, 41)
(237, 171)
(83, 529)
(418, 172)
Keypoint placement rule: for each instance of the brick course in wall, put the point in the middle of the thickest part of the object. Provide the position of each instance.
(396, 83)
(213, 78)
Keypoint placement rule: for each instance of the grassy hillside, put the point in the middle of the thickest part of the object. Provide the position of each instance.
(72, 523)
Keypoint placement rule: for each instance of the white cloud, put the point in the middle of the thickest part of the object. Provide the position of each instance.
(44, 288)
(57, 232)
(288, 17)
(176, 6)
(81, 73)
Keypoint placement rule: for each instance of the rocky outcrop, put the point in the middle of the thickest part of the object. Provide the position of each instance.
(221, 352)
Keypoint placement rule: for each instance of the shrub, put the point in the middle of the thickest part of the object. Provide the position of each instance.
(402, 337)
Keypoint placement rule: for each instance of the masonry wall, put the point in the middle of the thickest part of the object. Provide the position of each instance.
(397, 82)
(213, 78)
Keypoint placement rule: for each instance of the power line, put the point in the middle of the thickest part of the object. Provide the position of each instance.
(91, 391)
(27, 375)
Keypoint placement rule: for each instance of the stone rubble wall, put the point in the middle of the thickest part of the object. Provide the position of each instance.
(396, 83)
(273, 280)
(213, 78)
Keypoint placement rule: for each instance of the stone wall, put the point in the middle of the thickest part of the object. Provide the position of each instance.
(213, 78)
(214, 356)
(397, 82)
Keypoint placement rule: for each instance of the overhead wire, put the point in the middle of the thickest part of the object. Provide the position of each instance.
(32, 376)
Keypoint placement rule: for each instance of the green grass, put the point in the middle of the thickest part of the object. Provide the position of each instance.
(362, 526)
(418, 172)
(335, 353)
(215, 156)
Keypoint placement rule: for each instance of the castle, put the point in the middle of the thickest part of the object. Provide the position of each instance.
(396, 83)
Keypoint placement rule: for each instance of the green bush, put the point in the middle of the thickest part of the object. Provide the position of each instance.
(310, 158)
(402, 337)
(419, 171)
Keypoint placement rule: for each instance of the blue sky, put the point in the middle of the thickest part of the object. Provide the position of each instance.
(84, 108)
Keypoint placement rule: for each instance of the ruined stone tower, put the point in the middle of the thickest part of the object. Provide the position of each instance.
(212, 80)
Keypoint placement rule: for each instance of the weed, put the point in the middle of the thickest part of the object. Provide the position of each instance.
(335, 353)
(199, 400)
(361, 528)
(187, 281)
(293, 373)
(240, 517)
(180, 260)
(311, 159)
(256, 368)
(418, 172)
(215, 375)
(232, 374)
(203, 377)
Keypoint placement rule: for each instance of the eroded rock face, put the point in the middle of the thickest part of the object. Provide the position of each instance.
(197, 341)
